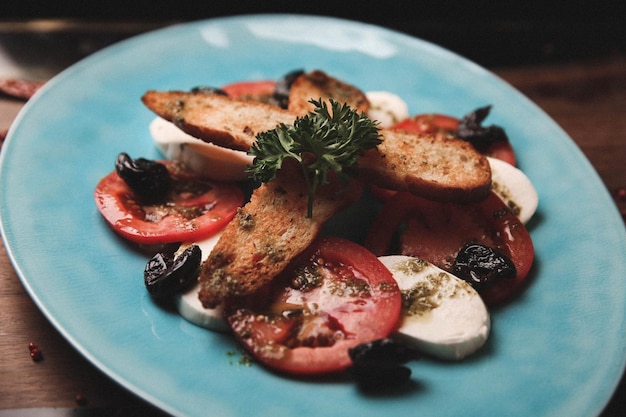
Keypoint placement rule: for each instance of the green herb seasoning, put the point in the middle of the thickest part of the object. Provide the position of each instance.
(321, 142)
(307, 278)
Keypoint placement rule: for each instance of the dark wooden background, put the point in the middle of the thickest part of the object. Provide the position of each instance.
(535, 31)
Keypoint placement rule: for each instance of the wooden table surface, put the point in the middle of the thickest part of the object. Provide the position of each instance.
(587, 99)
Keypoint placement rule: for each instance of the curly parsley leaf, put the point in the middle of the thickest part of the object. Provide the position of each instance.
(321, 142)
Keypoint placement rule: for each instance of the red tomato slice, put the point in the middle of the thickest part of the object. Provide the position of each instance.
(251, 90)
(503, 151)
(436, 232)
(441, 123)
(428, 123)
(382, 194)
(335, 296)
(194, 210)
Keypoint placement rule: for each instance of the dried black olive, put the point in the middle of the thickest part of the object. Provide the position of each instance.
(149, 179)
(209, 90)
(381, 350)
(481, 137)
(377, 376)
(283, 85)
(165, 276)
(378, 363)
(480, 265)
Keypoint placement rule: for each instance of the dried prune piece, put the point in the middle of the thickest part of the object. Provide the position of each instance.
(165, 275)
(481, 137)
(283, 85)
(149, 179)
(480, 265)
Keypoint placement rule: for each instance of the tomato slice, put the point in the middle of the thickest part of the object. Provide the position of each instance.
(260, 90)
(436, 232)
(429, 123)
(444, 124)
(195, 208)
(503, 151)
(335, 296)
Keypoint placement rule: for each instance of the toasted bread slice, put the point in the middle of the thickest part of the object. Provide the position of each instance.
(318, 85)
(436, 167)
(267, 233)
(215, 118)
(430, 166)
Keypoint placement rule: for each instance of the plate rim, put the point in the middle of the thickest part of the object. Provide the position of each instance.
(140, 38)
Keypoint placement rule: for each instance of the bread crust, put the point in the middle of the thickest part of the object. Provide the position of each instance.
(214, 118)
(431, 166)
(267, 233)
(318, 85)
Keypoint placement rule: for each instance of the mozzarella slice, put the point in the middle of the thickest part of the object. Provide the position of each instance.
(443, 316)
(386, 108)
(514, 188)
(211, 161)
(190, 307)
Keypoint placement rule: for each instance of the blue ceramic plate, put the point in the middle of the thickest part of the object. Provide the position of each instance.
(557, 351)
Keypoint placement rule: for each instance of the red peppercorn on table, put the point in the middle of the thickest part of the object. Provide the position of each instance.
(40, 369)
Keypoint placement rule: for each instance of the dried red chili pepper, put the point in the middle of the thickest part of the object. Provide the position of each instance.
(21, 89)
(35, 353)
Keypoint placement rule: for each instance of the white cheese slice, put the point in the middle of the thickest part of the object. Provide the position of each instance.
(190, 307)
(209, 160)
(514, 188)
(443, 316)
(386, 108)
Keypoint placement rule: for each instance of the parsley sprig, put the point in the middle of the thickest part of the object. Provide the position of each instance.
(321, 142)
